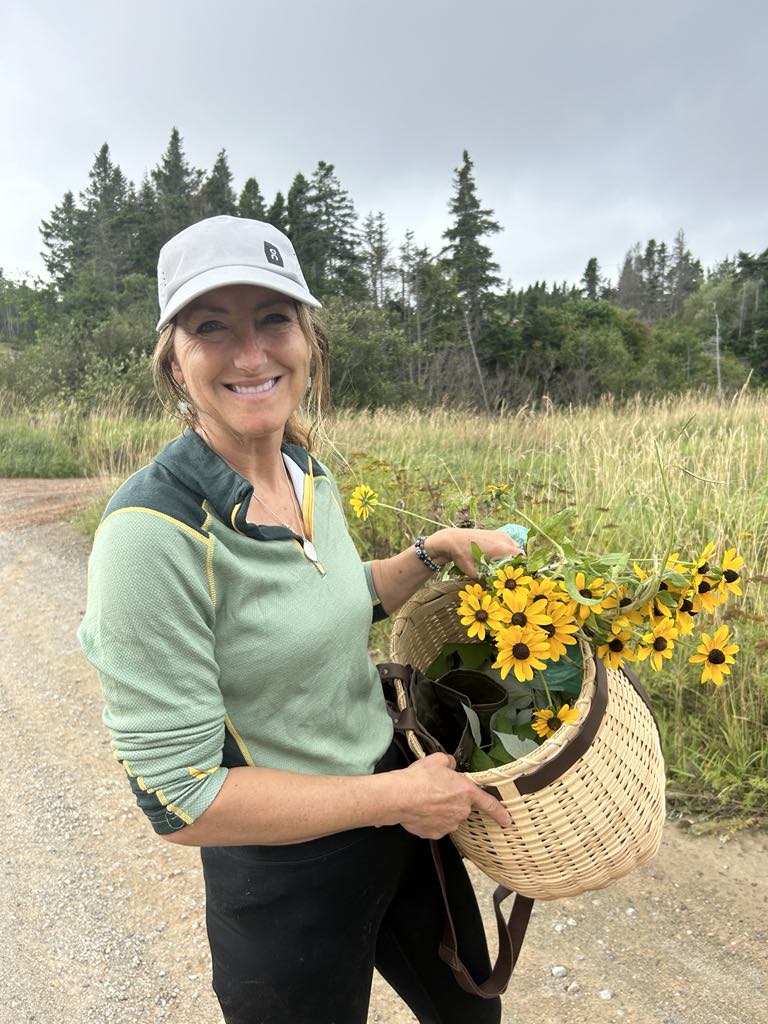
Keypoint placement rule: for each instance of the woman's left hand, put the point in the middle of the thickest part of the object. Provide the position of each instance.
(454, 544)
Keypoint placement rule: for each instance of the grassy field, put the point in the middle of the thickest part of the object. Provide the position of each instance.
(603, 460)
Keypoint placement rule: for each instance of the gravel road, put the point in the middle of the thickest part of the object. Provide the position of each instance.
(104, 923)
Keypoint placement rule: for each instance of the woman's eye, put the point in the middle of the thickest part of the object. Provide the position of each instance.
(208, 326)
(276, 318)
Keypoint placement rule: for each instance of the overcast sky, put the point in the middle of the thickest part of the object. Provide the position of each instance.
(592, 125)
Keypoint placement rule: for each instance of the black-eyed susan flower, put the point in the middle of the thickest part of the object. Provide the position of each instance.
(562, 629)
(684, 614)
(496, 491)
(480, 612)
(546, 722)
(615, 607)
(594, 589)
(363, 500)
(716, 656)
(707, 594)
(510, 578)
(731, 578)
(615, 651)
(520, 650)
(701, 566)
(523, 611)
(659, 643)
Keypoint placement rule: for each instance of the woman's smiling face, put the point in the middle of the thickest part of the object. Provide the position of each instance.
(243, 358)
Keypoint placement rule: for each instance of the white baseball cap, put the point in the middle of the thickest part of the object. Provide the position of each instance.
(226, 250)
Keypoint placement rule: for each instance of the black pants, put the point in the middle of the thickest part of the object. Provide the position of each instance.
(295, 931)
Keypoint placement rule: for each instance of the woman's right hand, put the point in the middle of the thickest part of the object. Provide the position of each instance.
(434, 798)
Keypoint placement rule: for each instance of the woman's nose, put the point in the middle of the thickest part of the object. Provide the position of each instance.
(251, 349)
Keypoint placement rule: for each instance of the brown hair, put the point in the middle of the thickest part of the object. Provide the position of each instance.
(302, 423)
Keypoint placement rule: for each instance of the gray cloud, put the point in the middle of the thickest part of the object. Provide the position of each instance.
(591, 126)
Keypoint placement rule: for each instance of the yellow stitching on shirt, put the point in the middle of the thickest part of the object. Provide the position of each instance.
(160, 515)
(239, 741)
(202, 773)
(232, 518)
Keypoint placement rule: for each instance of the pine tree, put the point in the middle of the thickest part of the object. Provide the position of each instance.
(301, 227)
(217, 195)
(685, 274)
(251, 201)
(63, 238)
(630, 290)
(105, 218)
(471, 260)
(591, 281)
(177, 187)
(277, 214)
(335, 266)
(376, 256)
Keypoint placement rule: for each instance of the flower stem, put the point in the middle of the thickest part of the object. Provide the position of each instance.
(424, 519)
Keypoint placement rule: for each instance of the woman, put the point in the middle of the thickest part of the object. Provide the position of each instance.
(228, 615)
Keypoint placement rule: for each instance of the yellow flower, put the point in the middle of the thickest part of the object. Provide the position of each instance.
(547, 722)
(561, 630)
(685, 613)
(615, 651)
(731, 564)
(701, 566)
(707, 595)
(616, 602)
(716, 654)
(480, 611)
(522, 650)
(510, 578)
(594, 589)
(364, 500)
(495, 491)
(524, 612)
(659, 643)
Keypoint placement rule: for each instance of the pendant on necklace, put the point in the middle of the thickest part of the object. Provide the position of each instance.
(309, 550)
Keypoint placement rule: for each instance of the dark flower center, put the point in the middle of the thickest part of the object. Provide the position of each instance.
(624, 602)
(663, 586)
(554, 723)
(549, 628)
(616, 645)
(519, 619)
(510, 584)
(660, 644)
(716, 656)
(687, 606)
(521, 651)
(703, 569)
(538, 597)
(481, 615)
(586, 592)
(730, 576)
(704, 587)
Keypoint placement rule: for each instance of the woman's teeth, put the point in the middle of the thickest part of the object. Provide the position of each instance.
(253, 390)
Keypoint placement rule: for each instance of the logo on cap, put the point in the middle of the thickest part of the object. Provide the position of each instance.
(273, 254)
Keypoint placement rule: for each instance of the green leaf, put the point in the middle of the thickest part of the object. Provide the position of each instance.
(474, 724)
(515, 746)
(567, 674)
(480, 761)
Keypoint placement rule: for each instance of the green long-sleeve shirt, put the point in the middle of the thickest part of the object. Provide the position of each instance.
(219, 643)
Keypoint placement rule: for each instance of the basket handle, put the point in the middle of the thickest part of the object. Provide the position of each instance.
(511, 935)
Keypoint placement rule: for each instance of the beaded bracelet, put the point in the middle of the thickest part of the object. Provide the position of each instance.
(419, 545)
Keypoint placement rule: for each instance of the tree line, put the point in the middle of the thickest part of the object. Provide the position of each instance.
(407, 324)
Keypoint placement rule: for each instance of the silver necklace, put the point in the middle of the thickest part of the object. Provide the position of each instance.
(309, 548)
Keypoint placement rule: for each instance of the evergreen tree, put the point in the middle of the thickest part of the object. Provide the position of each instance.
(251, 201)
(376, 256)
(177, 187)
(217, 196)
(301, 227)
(106, 219)
(685, 274)
(591, 280)
(630, 290)
(335, 265)
(147, 240)
(63, 238)
(470, 260)
(277, 214)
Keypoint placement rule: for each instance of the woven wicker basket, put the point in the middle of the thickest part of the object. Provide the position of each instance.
(587, 806)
